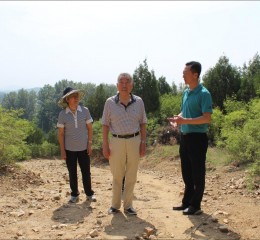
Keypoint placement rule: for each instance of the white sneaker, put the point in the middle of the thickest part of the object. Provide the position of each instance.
(74, 199)
(92, 198)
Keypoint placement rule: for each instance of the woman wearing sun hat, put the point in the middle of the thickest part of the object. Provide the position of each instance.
(75, 138)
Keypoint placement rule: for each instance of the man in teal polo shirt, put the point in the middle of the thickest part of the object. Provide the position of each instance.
(195, 115)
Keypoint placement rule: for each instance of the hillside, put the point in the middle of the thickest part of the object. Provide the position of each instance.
(34, 204)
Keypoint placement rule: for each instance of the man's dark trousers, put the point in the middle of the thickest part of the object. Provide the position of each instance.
(193, 150)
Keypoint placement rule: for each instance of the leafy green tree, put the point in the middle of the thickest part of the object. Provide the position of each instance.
(163, 86)
(52, 137)
(36, 135)
(22, 99)
(88, 88)
(47, 108)
(97, 137)
(170, 105)
(250, 83)
(96, 102)
(146, 86)
(223, 80)
(13, 133)
(2, 95)
(240, 133)
(231, 105)
(9, 100)
(27, 101)
(110, 89)
(60, 87)
(215, 126)
(174, 89)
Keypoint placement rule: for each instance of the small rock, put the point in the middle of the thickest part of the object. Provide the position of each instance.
(19, 233)
(18, 213)
(152, 237)
(225, 220)
(56, 197)
(99, 222)
(31, 212)
(149, 231)
(213, 219)
(93, 233)
(223, 229)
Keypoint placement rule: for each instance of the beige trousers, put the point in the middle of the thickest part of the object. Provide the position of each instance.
(124, 161)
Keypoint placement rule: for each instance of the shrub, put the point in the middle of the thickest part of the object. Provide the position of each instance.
(13, 132)
(241, 134)
(152, 129)
(97, 137)
(215, 126)
(170, 105)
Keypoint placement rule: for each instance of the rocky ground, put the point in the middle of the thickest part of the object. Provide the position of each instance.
(34, 205)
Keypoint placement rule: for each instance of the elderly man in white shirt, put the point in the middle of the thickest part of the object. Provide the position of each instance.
(124, 116)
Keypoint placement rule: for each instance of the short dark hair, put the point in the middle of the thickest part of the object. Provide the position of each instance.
(195, 67)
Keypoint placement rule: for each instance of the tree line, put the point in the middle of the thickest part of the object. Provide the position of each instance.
(235, 93)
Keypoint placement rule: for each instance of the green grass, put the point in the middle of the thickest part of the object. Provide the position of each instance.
(215, 156)
(218, 157)
(162, 152)
(160, 157)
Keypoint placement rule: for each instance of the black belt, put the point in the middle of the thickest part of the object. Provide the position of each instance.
(126, 136)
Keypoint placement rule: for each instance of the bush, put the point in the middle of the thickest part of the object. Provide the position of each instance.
(231, 105)
(97, 140)
(253, 175)
(152, 130)
(170, 105)
(13, 133)
(36, 136)
(215, 126)
(45, 150)
(52, 137)
(241, 134)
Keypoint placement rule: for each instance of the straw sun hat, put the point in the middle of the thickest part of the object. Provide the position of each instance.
(67, 92)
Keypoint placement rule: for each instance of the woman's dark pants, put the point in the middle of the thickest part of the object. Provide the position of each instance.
(83, 159)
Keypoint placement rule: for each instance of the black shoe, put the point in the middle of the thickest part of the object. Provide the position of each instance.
(192, 211)
(179, 208)
(112, 210)
(130, 211)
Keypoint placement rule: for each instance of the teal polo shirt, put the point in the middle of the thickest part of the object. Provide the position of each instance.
(194, 103)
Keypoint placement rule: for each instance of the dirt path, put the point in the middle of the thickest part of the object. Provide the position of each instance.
(34, 205)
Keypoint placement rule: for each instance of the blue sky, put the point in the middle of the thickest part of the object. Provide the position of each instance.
(43, 42)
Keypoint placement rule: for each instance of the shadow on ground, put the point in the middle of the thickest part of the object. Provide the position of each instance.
(205, 227)
(72, 213)
(126, 227)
